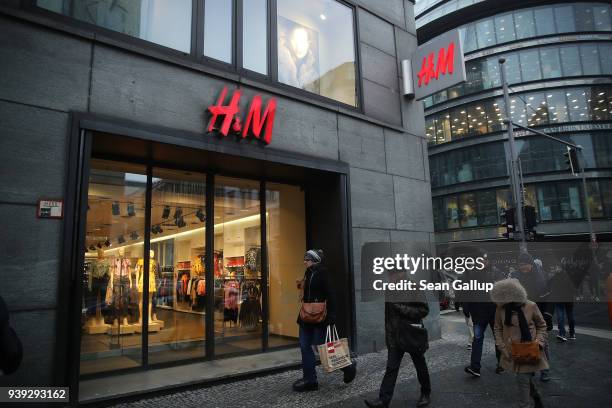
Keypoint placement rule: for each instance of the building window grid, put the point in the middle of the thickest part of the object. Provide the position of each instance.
(453, 211)
(462, 121)
(197, 40)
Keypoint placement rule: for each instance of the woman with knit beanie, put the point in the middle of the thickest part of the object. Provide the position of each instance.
(316, 288)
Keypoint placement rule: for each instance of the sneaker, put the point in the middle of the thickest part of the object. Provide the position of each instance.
(473, 371)
(545, 376)
(499, 370)
(375, 404)
(561, 338)
(302, 386)
(469, 346)
(572, 337)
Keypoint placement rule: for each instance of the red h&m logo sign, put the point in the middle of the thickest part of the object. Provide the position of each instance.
(256, 121)
(435, 66)
(430, 69)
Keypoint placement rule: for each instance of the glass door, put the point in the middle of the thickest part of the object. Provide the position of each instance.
(110, 338)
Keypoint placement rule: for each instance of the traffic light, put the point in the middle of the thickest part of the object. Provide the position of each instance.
(530, 217)
(571, 159)
(508, 221)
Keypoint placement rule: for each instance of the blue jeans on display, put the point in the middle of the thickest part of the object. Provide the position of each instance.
(563, 310)
(310, 336)
(479, 332)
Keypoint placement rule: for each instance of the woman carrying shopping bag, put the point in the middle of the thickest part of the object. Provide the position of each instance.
(317, 312)
(520, 335)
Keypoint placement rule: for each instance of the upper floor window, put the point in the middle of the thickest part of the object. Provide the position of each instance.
(159, 21)
(315, 40)
(316, 49)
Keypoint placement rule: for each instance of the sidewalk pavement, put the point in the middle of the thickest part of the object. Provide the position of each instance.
(581, 377)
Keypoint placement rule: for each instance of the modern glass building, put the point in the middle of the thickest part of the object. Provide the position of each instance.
(559, 70)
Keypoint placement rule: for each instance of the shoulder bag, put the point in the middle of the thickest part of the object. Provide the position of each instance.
(313, 312)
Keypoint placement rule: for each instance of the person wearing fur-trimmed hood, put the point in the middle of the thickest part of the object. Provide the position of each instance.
(519, 320)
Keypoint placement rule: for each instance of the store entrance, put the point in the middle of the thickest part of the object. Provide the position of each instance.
(182, 265)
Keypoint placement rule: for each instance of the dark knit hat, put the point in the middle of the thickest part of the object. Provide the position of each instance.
(525, 258)
(314, 255)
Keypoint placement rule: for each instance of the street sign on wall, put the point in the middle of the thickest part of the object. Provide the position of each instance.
(438, 64)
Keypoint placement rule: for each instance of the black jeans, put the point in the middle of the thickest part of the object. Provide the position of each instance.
(394, 359)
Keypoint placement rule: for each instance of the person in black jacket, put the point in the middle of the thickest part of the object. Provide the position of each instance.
(483, 315)
(397, 316)
(316, 288)
(11, 350)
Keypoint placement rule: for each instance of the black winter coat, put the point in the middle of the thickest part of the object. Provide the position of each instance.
(318, 288)
(412, 312)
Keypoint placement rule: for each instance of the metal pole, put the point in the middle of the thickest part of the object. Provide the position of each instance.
(516, 192)
(582, 163)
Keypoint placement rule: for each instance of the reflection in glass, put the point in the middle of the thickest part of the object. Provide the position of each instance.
(570, 60)
(601, 16)
(316, 48)
(237, 266)
(530, 65)
(149, 20)
(110, 338)
(584, 17)
(551, 64)
(485, 34)
(504, 26)
(255, 36)
(524, 24)
(218, 30)
(564, 18)
(545, 21)
(178, 215)
(286, 246)
(589, 56)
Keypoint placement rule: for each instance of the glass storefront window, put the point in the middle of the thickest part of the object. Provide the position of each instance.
(286, 246)
(485, 33)
(469, 210)
(605, 187)
(601, 17)
(589, 56)
(255, 36)
(438, 214)
(530, 66)
(177, 281)
(536, 109)
(161, 22)
(452, 212)
(565, 20)
(557, 106)
(504, 28)
(114, 251)
(570, 60)
(524, 24)
(218, 29)
(544, 21)
(577, 104)
(316, 49)
(551, 64)
(560, 201)
(237, 271)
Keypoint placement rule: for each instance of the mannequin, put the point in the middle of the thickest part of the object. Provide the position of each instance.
(120, 284)
(98, 282)
(154, 324)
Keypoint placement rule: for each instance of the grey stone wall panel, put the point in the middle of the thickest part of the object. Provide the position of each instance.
(362, 236)
(30, 258)
(406, 44)
(32, 153)
(376, 32)
(413, 204)
(37, 332)
(361, 144)
(372, 199)
(392, 10)
(379, 67)
(43, 67)
(405, 156)
(382, 103)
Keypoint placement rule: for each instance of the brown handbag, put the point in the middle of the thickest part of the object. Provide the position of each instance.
(312, 312)
(526, 353)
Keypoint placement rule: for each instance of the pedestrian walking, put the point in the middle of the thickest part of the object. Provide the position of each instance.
(404, 333)
(520, 335)
(531, 276)
(11, 349)
(563, 292)
(317, 312)
(483, 316)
